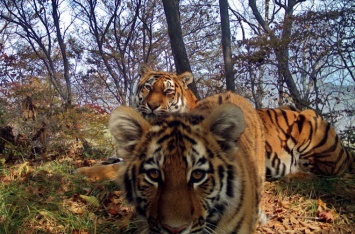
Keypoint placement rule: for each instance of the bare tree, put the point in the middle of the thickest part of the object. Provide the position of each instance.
(39, 24)
(121, 36)
(281, 46)
(310, 49)
(99, 32)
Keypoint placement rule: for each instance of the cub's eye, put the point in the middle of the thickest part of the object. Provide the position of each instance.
(197, 176)
(154, 174)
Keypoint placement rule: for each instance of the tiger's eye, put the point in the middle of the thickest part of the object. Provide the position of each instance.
(153, 174)
(148, 87)
(197, 176)
(169, 91)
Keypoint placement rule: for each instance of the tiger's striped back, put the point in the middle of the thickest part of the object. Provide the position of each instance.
(254, 133)
(196, 172)
(277, 124)
(318, 146)
(301, 141)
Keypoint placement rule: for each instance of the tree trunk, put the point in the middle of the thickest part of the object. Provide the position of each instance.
(55, 11)
(281, 49)
(182, 64)
(226, 45)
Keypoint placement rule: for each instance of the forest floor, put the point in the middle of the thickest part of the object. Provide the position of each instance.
(310, 205)
(42, 195)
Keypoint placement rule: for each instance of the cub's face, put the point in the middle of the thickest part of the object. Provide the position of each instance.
(178, 176)
(172, 185)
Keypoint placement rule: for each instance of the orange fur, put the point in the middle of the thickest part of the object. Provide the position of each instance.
(147, 100)
(201, 171)
(301, 141)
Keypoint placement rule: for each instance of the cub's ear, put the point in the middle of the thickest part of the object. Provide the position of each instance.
(127, 127)
(143, 69)
(186, 78)
(226, 123)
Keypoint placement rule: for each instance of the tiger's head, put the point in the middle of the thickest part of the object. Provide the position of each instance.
(180, 172)
(160, 92)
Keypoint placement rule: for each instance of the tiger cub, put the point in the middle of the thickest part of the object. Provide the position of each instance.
(195, 172)
(301, 141)
(157, 93)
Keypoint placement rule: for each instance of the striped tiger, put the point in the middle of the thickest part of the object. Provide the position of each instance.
(159, 92)
(301, 141)
(195, 172)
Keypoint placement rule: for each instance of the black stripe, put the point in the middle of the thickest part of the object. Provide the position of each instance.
(241, 202)
(202, 160)
(149, 161)
(325, 138)
(141, 206)
(211, 169)
(220, 99)
(221, 176)
(302, 147)
(268, 173)
(128, 182)
(210, 154)
(189, 139)
(300, 122)
(275, 163)
(283, 169)
(239, 225)
(163, 138)
(230, 180)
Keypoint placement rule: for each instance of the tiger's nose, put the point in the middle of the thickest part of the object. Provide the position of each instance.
(174, 230)
(153, 105)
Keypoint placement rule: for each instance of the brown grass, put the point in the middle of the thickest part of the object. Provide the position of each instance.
(41, 196)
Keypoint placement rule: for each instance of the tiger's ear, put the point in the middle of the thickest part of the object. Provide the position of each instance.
(143, 69)
(226, 123)
(127, 127)
(186, 78)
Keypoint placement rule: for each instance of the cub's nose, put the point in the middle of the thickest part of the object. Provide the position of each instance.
(174, 230)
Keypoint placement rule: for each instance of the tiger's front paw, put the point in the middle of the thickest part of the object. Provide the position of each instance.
(262, 218)
(100, 171)
(306, 165)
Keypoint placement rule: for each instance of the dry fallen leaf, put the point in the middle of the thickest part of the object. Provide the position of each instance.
(284, 204)
(321, 205)
(293, 220)
(314, 228)
(326, 216)
(80, 232)
(76, 209)
(267, 230)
